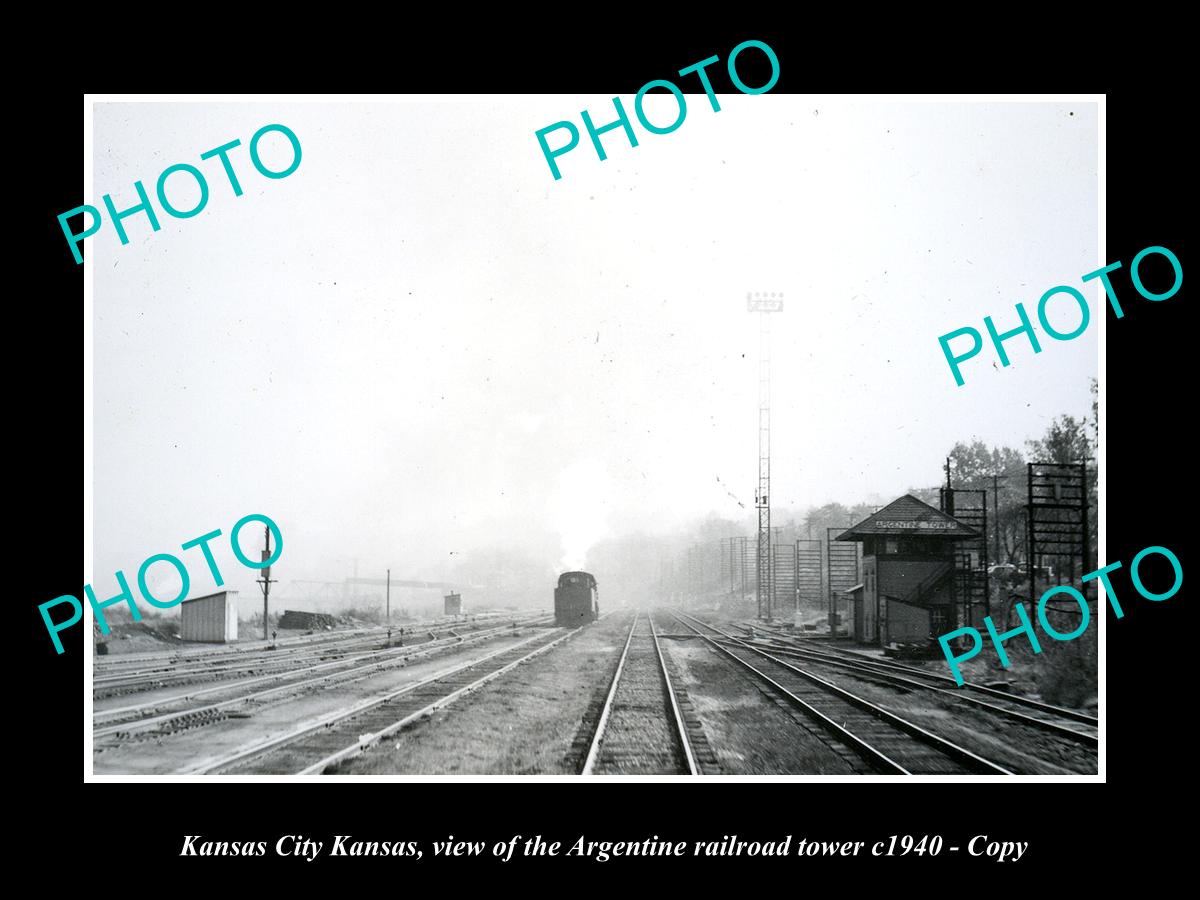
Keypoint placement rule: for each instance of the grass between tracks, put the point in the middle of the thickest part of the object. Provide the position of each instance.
(525, 722)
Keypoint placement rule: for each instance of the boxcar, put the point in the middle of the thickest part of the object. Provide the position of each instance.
(576, 599)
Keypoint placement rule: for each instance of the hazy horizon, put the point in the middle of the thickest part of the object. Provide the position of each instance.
(420, 352)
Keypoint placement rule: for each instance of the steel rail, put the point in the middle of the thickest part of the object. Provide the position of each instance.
(368, 740)
(357, 669)
(188, 654)
(868, 672)
(1048, 708)
(871, 754)
(258, 748)
(960, 754)
(689, 757)
(602, 724)
(345, 647)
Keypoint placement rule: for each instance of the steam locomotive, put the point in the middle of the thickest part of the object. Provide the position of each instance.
(576, 599)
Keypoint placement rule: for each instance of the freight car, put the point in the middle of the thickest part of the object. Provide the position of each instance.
(576, 599)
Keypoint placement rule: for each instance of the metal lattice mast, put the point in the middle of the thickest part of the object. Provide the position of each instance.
(764, 304)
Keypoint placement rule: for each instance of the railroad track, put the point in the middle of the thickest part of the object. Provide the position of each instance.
(1061, 712)
(193, 673)
(641, 730)
(157, 715)
(129, 664)
(315, 746)
(181, 671)
(154, 660)
(1054, 720)
(118, 662)
(887, 742)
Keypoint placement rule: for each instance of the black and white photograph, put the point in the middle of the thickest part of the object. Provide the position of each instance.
(425, 444)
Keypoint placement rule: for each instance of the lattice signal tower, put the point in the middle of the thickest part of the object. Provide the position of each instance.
(764, 304)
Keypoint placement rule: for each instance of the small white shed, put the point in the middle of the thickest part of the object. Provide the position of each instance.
(212, 619)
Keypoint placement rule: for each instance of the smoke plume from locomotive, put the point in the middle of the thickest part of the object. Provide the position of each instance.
(580, 509)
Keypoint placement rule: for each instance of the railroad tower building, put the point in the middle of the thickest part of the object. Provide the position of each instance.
(908, 591)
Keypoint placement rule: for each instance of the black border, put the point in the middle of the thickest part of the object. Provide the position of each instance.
(1146, 454)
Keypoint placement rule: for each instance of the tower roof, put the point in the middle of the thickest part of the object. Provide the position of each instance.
(910, 516)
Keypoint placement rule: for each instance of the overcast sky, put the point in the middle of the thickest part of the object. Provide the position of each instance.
(420, 344)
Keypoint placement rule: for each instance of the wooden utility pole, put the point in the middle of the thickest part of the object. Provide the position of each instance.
(389, 596)
(265, 581)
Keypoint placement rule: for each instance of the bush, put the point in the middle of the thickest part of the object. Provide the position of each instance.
(1067, 673)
